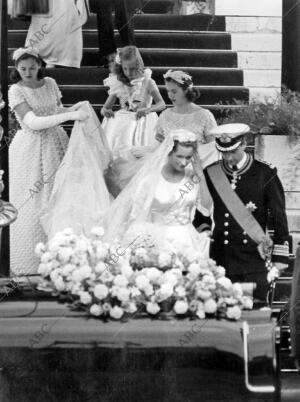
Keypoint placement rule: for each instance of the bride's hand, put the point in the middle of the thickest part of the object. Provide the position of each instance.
(197, 164)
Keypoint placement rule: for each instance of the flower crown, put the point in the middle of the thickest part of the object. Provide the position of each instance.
(25, 50)
(182, 135)
(180, 77)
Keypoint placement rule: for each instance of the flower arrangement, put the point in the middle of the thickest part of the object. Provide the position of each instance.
(81, 270)
(278, 117)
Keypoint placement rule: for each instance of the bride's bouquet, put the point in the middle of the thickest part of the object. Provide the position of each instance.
(112, 281)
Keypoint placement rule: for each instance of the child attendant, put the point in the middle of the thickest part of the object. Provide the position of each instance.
(131, 128)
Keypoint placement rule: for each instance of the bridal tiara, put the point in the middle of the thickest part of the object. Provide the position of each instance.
(182, 135)
(180, 77)
(25, 50)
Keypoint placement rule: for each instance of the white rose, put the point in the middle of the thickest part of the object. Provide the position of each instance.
(230, 301)
(130, 307)
(121, 280)
(43, 269)
(135, 292)
(152, 308)
(126, 270)
(170, 278)
(116, 312)
(166, 291)
(194, 269)
(100, 267)
(59, 284)
(149, 290)
(123, 294)
(97, 231)
(210, 306)
(164, 259)
(100, 291)
(247, 303)
(84, 272)
(234, 313)
(142, 282)
(40, 248)
(83, 244)
(237, 290)
(46, 257)
(219, 271)
(101, 251)
(180, 307)
(224, 283)
(180, 290)
(200, 313)
(106, 276)
(67, 269)
(203, 294)
(55, 274)
(57, 241)
(209, 282)
(141, 253)
(153, 274)
(64, 254)
(96, 310)
(76, 289)
(85, 297)
(272, 274)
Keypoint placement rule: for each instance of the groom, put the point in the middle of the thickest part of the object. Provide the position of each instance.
(247, 196)
(124, 17)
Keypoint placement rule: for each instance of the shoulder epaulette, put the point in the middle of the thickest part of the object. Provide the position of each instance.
(266, 163)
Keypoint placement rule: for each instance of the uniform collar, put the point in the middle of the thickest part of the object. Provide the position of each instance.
(241, 163)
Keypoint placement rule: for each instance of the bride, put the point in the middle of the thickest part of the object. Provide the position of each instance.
(161, 199)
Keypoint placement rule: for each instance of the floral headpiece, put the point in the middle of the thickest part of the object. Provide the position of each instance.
(180, 77)
(25, 50)
(182, 135)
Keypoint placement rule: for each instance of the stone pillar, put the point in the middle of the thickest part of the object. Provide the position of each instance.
(291, 44)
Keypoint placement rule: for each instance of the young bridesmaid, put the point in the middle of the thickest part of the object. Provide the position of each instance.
(35, 153)
(133, 126)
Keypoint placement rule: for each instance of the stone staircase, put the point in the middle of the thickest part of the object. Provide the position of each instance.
(195, 43)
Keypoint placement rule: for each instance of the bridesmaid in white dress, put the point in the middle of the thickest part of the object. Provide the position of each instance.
(34, 154)
(58, 35)
(132, 127)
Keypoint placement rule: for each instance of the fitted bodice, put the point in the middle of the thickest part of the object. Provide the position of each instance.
(43, 100)
(199, 122)
(174, 203)
(137, 95)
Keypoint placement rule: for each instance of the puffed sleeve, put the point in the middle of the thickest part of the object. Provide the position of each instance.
(276, 205)
(57, 92)
(115, 86)
(209, 125)
(152, 87)
(15, 96)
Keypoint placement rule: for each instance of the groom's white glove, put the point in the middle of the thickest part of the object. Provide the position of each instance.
(35, 122)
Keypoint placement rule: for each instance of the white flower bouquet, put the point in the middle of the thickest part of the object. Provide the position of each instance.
(96, 277)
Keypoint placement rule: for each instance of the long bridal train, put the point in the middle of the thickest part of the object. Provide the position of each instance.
(80, 197)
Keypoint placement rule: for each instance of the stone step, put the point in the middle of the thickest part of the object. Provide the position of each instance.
(201, 76)
(195, 22)
(190, 40)
(157, 6)
(170, 57)
(97, 95)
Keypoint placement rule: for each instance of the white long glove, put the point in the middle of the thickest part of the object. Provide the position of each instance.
(35, 122)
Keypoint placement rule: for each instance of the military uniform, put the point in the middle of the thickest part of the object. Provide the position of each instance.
(259, 188)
